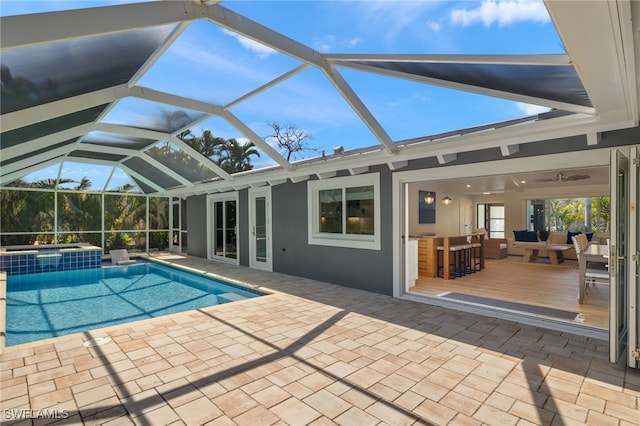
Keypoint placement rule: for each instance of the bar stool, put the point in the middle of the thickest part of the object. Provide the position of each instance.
(458, 253)
(477, 264)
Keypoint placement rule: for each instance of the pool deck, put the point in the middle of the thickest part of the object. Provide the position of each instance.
(316, 353)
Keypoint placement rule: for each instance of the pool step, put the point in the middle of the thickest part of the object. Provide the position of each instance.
(231, 297)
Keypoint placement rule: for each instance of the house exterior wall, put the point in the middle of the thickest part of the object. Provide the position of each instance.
(197, 226)
(357, 268)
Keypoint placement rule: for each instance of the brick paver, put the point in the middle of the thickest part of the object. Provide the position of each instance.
(319, 354)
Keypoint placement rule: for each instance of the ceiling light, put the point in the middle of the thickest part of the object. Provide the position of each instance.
(523, 181)
(468, 186)
(447, 200)
(429, 198)
(486, 193)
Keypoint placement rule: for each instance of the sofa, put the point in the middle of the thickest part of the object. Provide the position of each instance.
(556, 238)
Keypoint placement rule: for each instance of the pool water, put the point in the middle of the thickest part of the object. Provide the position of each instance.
(51, 304)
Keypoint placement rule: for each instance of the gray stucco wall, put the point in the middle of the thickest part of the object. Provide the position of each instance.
(370, 270)
(197, 226)
(243, 226)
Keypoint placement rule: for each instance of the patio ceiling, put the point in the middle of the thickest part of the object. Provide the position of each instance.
(73, 92)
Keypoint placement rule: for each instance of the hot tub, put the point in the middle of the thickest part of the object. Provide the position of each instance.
(16, 260)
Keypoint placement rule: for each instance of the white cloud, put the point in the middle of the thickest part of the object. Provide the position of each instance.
(330, 43)
(252, 46)
(502, 12)
(434, 26)
(529, 109)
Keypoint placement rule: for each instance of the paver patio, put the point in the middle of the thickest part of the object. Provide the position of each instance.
(316, 353)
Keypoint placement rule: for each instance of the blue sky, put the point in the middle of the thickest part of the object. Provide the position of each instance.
(212, 64)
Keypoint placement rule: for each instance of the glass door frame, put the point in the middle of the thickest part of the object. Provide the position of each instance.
(254, 194)
(211, 231)
(624, 291)
(633, 267)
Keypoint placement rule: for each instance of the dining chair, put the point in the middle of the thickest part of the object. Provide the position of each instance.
(594, 272)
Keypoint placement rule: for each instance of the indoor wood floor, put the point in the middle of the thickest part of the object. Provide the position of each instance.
(539, 284)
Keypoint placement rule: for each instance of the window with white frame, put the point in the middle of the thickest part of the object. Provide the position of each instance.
(345, 212)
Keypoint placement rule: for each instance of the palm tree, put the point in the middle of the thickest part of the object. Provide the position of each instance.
(236, 156)
(208, 145)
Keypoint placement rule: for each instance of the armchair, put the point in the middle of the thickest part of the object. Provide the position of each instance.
(495, 248)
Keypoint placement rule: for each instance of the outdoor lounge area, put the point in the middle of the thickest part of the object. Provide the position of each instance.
(327, 212)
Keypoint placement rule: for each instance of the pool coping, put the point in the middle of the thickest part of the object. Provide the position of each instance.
(89, 334)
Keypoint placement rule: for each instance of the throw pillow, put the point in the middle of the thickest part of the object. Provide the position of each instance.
(519, 235)
(531, 236)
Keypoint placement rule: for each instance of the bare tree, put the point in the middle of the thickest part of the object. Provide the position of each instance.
(289, 139)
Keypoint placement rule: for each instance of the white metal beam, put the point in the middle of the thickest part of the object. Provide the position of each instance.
(508, 150)
(179, 101)
(263, 35)
(358, 170)
(552, 60)
(268, 85)
(45, 141)
(26, 30)
(10, 177)
(326, 175)
(598, 37)
(446, 158)
(300, 178)
(39, 113)
(594, 138)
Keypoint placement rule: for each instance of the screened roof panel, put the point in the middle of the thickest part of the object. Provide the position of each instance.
(177, 160)
(141, 187)
(121, 182)
(36, 152)
(557, 83)
(49, 72)
(48, 127)
(144, 114)
(153, 174)
(116, 140)
(215, 65)
(88, 177)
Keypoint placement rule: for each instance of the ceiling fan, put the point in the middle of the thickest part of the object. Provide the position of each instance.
(561, 177)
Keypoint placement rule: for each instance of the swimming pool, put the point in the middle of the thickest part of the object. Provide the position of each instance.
(51, 304)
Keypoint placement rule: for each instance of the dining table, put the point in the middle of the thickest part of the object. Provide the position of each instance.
(593, 253)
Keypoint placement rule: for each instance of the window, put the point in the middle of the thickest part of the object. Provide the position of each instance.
(569, 214)
(345, 212)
